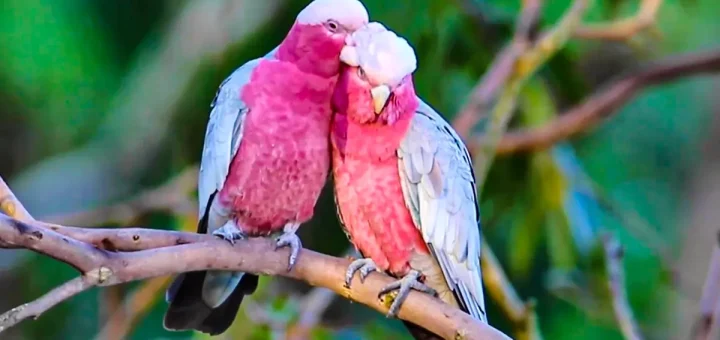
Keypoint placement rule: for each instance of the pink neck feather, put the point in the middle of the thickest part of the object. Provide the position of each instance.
(312, 50)
(359, 132)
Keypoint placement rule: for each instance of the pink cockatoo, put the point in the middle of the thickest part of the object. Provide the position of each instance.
(404, 182)
(266, 156)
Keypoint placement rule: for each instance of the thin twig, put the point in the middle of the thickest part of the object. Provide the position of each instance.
(38, 307)
(622, 29)
(616, 284)
(605, 103)
(710, 300)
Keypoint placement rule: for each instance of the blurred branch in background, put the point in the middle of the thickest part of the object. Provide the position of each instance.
(710, 301)
(123, 320)
(169, 252)
(485, 92)
(524, 67)
(499, 287)
(616, 284)
(622, 29)
(606, 102)
(139, 116)
(312, 307)
(506, 76)
(173, 197)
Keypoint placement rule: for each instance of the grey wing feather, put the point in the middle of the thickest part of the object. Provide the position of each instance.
(439, 188)
(224, 133)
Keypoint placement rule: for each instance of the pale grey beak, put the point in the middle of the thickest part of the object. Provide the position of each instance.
(380, 95)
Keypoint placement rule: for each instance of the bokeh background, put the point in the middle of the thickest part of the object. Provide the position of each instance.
(103, 102)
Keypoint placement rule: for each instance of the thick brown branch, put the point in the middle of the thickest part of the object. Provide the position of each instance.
(17, 234)
(605, 103)
(254, 256)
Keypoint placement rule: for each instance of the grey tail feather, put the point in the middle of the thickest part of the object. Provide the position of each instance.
(187, 310)
(420, 333)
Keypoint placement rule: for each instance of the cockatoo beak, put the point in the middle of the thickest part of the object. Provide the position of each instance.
(380, 95)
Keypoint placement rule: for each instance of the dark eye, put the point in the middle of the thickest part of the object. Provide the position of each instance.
(361, 73)
(332, 25)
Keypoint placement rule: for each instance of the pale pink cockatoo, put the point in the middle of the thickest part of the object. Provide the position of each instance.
(266, 156)
(404, 182)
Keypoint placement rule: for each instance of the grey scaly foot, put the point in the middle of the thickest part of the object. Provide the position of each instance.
(409, 281)
(290, 239)
(365, 266)
(229, 232)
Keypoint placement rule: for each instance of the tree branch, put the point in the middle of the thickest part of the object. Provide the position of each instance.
(203, 252)
(616, 284)
(622, 29)
(49, 300)
(605, 103)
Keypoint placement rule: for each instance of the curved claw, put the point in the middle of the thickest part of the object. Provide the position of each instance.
(229, 232)
(365, 266)
(293, 241)
(404, 285)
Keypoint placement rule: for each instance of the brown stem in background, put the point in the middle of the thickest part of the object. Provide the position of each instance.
(606, 102)
(622, 29)
(499, 287)
(485, 93)
(135, 306)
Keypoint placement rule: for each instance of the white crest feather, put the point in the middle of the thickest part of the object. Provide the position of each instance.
(385, 57)
(349, 13)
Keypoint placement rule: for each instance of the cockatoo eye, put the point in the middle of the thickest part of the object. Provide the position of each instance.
(361, 73)
(332, 25)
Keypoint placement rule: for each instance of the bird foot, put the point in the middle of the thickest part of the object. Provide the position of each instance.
(229, 232)
(409, 281)
(290, 239)
(365, 266)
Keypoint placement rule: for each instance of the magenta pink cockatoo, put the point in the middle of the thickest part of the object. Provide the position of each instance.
(266, 156)
(404, 182)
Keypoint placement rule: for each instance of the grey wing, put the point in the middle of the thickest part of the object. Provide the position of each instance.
(439, 188)
(223, 135)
